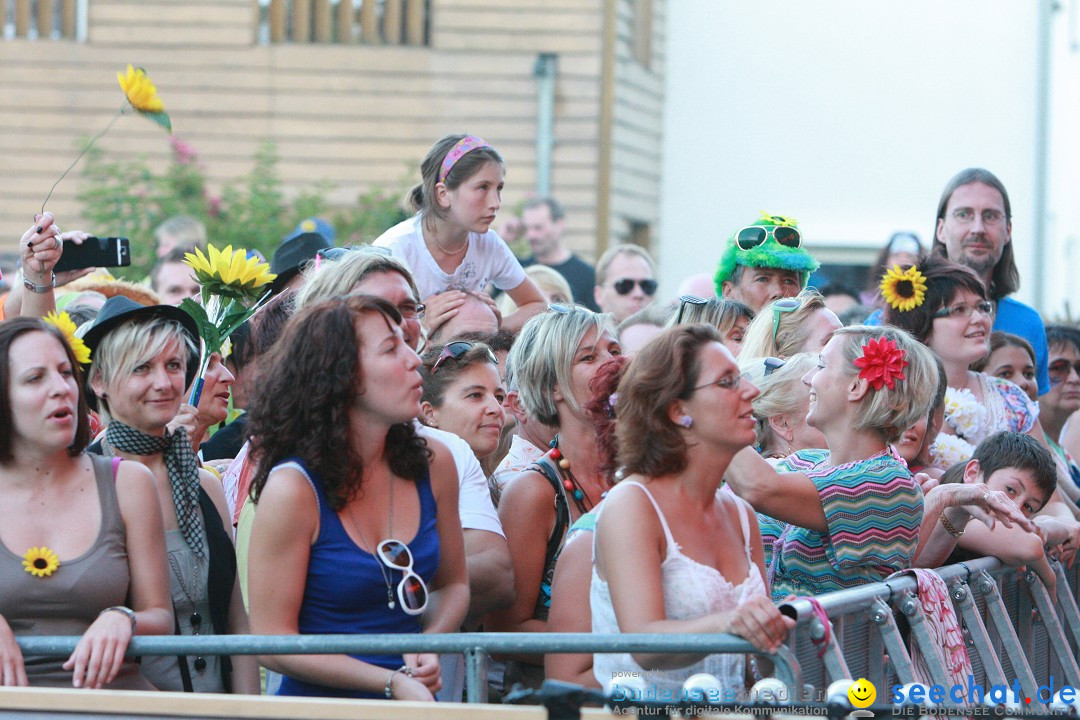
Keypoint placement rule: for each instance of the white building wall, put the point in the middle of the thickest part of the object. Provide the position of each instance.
(850, 116)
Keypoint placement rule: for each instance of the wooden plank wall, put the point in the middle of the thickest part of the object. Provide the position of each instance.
(353, 115)
(637, 129)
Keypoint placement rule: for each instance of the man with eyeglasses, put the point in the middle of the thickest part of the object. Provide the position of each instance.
(974, 228)
(625, 281)
(763, 262)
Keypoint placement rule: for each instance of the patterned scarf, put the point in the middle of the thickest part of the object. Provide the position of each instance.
(183, 469)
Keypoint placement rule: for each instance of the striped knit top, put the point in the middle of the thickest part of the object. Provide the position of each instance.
(873, 510)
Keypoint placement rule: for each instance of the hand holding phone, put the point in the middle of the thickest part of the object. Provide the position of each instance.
(95, 252)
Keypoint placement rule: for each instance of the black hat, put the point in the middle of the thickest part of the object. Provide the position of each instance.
(291, 255)
(120, 309)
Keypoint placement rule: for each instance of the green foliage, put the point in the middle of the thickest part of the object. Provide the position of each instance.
(125, 197)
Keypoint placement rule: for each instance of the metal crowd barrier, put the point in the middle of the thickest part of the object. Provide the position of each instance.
(1012, 629)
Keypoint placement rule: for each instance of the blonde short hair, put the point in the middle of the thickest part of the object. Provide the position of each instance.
(792, 330)
(614, 251)
(891, 412)
(550, 282)
(543, 355)
(338, 277)
(781, 391)
(129, 345)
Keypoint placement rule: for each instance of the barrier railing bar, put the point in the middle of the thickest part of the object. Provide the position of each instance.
(476, 667)
(969, 613)
(1054, 629)
(882, 616)
(985, 585)
(1067, 603)
(931, 653)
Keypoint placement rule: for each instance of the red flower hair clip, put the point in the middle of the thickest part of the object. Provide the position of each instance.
(882, 363)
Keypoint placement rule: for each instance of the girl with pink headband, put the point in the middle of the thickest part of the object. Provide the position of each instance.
(449, 245)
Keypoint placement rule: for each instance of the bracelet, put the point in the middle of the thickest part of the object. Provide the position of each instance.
(125, 611)
(39, 289)
(949, 526)
(390, 680)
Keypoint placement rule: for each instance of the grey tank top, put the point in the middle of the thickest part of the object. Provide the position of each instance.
(68, 601)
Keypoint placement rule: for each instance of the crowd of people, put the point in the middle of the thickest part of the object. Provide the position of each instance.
(385, 447)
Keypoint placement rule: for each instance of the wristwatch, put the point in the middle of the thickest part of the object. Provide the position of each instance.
(39, 289)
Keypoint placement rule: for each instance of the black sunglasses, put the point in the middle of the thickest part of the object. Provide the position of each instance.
(624, 286)
(455, 350)
(753, 235)
(688, 300)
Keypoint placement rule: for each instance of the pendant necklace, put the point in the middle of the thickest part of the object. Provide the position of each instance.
(375, 551)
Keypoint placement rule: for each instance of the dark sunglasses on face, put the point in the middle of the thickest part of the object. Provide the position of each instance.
(1059, 370)
(455, 350)
(687, 300)
(753, 235)
(624, 286)
(412, 593)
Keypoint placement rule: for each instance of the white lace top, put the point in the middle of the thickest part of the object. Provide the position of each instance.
(691, 590)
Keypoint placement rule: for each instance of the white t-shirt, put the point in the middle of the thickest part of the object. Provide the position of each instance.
(474, 499)
(487, 261)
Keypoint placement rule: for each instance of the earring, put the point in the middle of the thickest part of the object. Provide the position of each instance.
(685, 421)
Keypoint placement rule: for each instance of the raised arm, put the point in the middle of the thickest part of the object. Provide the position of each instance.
(789, 497)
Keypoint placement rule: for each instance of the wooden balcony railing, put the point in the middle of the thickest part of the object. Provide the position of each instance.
(45, 19)
(370, 22)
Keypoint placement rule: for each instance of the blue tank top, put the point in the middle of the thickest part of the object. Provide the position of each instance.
(345, 590)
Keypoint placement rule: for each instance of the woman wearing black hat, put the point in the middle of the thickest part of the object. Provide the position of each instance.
(81, 546)
(143, 360)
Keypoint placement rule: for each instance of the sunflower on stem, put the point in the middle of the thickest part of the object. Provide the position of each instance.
(140, 94)
(904, 289)
(233, 286)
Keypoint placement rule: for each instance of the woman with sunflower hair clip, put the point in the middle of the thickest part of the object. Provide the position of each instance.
(944, 305)
(82, 549)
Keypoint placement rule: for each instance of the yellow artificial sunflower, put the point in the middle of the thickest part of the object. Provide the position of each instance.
(769, 219)
(140, 92)
(228, 272)
(40, 561)
(904, 289)
(66, 326)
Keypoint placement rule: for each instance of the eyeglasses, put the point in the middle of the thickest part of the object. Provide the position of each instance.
(455, 350)
(963, 310)
(966, 216)
(412, 593)
(1059, 370)
(688, 300)
(411, 310)
(728, 382)
(779, 307)
(624, 286)
(753, 235)
(772, 365)
(196, 625)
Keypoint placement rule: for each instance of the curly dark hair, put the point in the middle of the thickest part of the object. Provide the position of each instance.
(600, 409)
(944, 279)
(308, 382)
(10, 331)
(666, 370)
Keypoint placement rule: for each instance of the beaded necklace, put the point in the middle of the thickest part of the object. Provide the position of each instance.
(570, 483)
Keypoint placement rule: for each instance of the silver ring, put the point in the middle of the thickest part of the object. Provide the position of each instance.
(56, 239)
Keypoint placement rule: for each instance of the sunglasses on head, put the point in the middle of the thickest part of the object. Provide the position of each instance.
(455, 350)
(779, 307)
(412, 593)
(772, 365)
(688, 300)
(624, 286)
(753, 235)
(1059, 370)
